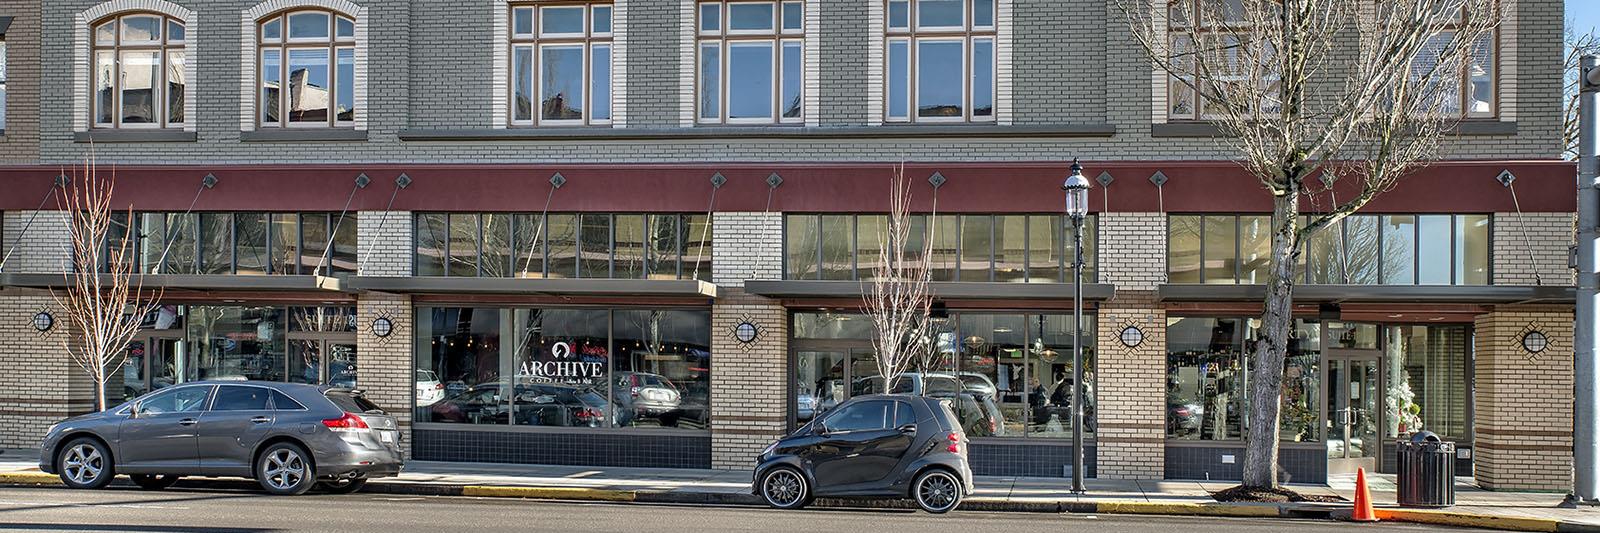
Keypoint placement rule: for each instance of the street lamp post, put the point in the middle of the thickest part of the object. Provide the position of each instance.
(1077, 188)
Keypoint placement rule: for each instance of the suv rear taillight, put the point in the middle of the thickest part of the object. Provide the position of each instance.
(955, 442)
(348, 422)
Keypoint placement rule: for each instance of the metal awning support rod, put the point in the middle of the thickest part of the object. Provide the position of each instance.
(399, 183)
(172, 233)
(59, 182)
(327, 250)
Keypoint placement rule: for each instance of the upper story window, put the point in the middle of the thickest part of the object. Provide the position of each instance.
(139, 71)
(1470, 93)
(941, 61)
(1360, 250)
(1008, 248)
(750, 57)
(307, 69)
(561, 64)
(563, 245)
(1218, 30)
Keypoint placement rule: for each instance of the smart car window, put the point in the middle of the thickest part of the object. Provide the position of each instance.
(237, 398)
(904, 414)
(862, 416)
(182, 400)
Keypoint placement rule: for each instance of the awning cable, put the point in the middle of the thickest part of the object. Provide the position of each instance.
(25, 226)
(1526, 241)
(172, 233)
(539, 230)
(327, 251)
(383, 221)
(699, 253)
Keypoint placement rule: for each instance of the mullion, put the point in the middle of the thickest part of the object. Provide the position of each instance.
(1238, 249)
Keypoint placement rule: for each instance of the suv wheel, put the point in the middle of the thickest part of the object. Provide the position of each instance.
(285, 469)
(84, 463)
(937, 491)
(342, 486)
(153, 482)
(784, 488)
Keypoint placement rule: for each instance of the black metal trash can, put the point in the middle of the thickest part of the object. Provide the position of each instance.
(1427, 471)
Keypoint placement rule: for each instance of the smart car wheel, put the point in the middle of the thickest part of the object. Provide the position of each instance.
(285, 469)
(785, 488)
(342, 486)
(937, 491)
(84, 463)
(153, 482)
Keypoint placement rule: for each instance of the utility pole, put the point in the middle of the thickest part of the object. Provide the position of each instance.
(1586, 369)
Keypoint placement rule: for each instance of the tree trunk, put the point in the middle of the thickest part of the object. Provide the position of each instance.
(100, 394)
(1272, 345)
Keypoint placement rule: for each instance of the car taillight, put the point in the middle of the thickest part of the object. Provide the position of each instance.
(588, 414)
(993, 427)
(634, 391)
(348, 422)
(955, 442)
(438, 386)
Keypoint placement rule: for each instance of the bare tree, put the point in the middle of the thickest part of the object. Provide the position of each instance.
(104, 299)
(1357, 90)
(901, 297)
(1578, 45)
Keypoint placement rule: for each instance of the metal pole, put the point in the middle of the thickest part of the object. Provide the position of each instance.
(1586, 414)
(1077, 354)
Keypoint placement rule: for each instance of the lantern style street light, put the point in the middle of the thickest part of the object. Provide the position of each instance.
(1077, 189)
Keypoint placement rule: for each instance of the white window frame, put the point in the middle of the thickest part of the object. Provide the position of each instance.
(724, 39)
(538, 41)
(914, 35)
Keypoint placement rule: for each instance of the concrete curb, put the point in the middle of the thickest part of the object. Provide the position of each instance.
(1232, 510)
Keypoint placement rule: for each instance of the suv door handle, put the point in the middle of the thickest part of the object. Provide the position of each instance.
(188, 422)
(261, 420)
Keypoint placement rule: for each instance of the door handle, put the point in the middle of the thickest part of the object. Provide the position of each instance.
(188, 422)
(261, 420)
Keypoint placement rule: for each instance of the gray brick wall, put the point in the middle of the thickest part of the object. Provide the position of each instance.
(431, 66)
(43, 247)
(383, 239)
(20, 143)
(746, 246)
(1529, 243)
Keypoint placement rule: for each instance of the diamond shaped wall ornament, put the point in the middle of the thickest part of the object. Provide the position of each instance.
(1328, 178)
(1104, 179)
(937, 180)
(403, 181)
(774, 180)
(717, 180)
(63, 180)
(210, 181)
(362, 181)
(1505, 178)
(558, 180)
(1158, 178)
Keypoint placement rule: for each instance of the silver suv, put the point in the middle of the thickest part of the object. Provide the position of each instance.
(287, 436)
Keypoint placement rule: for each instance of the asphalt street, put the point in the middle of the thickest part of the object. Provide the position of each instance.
(194, 511)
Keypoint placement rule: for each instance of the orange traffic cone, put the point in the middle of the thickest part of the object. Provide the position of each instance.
(1363, 509)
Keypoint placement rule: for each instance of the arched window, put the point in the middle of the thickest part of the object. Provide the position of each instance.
(139, 71)
(307, 69)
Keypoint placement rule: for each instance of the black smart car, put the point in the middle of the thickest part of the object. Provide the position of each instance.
(874, 446)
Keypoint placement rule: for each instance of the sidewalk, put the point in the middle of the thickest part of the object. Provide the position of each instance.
(1476, 507)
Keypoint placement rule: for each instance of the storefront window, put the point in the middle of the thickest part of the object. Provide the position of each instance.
(564, 367)
(1205, 378)
(993, 352)
(1361, 249)
(460, 348)
(1428, 381)
(1302, 383)
(562, 245)
(236, 342)
(1050, 376)
(837, 244)
(661, 374)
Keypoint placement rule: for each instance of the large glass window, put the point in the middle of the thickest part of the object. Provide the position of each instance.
(940, 61)
(750, 58)
(242, 243)
(236, 342)
(1361, 249)
(1470, 92)
(139, 72)
(307, 75)
(1429, 381)
(562, 245)
(1207, 379)
(1006, 375)
(1009, 248)
(561, 64)
(1219, 28)
(566, 367)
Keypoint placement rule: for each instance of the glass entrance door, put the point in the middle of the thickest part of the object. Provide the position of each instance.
(150, 365)
(1353, 415)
